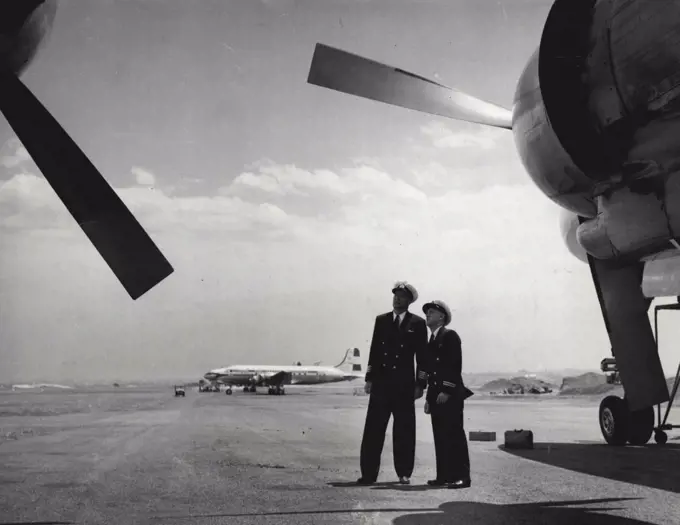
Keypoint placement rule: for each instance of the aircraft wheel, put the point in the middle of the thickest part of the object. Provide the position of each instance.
(228, 391)
(614, 420)
(660, 437)
(641, 426)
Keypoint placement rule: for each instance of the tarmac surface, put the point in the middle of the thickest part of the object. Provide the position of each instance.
(144, 456)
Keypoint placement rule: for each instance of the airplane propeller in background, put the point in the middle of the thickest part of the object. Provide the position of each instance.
(349, 73)
(113, 230)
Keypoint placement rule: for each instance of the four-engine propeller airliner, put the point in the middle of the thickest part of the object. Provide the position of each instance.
(275, 377)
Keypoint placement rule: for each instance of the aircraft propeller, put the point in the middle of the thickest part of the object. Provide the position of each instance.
(349, 73)
(113, 230)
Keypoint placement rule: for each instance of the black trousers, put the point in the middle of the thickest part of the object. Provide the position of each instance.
(385, 401)
(450, 442)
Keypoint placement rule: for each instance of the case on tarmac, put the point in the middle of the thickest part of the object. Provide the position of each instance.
(481, 435)
(519, 439)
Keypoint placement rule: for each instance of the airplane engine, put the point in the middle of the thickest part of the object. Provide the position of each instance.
(569, 223)
(596, 121)
(23, 28)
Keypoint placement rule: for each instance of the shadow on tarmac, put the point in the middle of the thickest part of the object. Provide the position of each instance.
(554, 513)
(651, 466)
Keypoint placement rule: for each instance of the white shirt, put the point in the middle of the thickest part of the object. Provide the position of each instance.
(436, 330)
(401, 317)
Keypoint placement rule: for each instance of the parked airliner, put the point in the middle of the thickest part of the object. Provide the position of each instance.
(276, 376)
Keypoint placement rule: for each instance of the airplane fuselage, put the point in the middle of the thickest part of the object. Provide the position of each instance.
(295, 375)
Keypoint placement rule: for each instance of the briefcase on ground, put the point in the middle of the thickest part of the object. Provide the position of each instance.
(519, 439)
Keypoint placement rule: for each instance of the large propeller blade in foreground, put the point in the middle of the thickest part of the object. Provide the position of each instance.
(342, 71)
(120, 239)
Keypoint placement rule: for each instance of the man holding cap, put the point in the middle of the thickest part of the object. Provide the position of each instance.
(445, 397)
(398, 336)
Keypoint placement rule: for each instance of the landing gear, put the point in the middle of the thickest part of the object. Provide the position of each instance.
(276, 390)
(660, 437)
(228, 391)
(618, 424)
(641, 426)
(614, 420)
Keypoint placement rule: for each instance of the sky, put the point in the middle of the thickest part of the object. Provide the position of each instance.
(287, 210)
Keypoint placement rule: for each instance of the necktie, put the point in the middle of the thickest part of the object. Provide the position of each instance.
(431, 338)
(395, 323)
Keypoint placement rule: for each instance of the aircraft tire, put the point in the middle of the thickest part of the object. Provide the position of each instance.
(660, 437)
(614, 420)
(641, 426)
(228, 391)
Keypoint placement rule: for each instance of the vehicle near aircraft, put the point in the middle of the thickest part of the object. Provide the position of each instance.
(122, 242)
(596, 122)
(275, 377)
(180, 391)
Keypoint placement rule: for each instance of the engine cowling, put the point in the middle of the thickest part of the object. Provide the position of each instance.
(569, 224)
(24, 25)
(597, 122)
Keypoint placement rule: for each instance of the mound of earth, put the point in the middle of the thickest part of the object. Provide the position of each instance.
(518, 385)
(593, 384)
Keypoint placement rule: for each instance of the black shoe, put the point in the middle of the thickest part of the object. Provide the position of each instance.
(459, 484)
(436, 483)
(365, 481)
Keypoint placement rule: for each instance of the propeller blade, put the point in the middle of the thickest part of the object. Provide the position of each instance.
(348, 73)
(120, 239)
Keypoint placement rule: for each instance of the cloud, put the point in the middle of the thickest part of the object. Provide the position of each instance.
(13, 153)
(442, 136)
(143, 177)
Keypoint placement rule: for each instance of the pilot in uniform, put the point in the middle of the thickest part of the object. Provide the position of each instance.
(398, 337)
(445, 397)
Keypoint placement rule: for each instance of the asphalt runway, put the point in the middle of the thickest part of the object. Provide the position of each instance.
(132, 456)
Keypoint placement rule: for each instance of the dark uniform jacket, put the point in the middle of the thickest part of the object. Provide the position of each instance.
(444, 366)
(391, 354)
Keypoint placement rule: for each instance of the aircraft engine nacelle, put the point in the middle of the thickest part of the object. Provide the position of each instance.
(569, 224)
(24, 25)
(597, 122)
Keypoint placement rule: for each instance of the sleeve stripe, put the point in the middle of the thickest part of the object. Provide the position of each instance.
(448, 383)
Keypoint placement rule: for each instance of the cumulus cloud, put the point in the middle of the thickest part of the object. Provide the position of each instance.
(442, 136)
(143, 177)
(13, 153)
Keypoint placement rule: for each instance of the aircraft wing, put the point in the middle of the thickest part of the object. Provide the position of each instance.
(271, 379)
(258, 379)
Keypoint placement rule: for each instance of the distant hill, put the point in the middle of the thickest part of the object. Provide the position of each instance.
(591, 384)
(476, 380)
(518, 385)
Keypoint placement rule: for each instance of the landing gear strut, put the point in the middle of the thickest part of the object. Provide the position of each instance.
(276, 390)
(618, 424)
